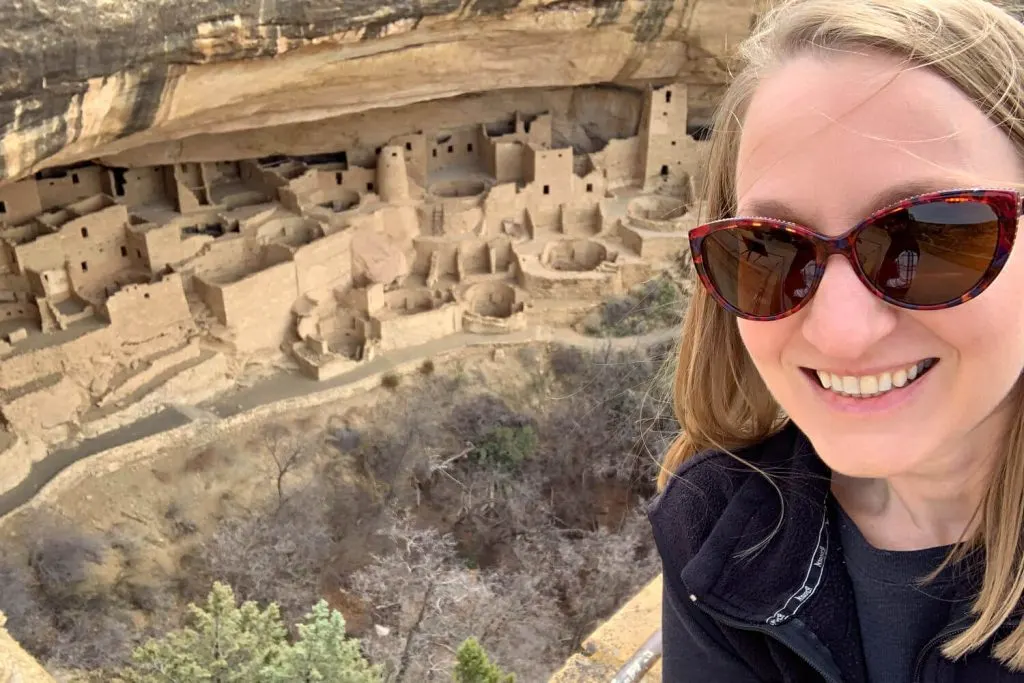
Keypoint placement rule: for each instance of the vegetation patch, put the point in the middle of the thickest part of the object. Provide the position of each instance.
(501, 502)
(654, 305)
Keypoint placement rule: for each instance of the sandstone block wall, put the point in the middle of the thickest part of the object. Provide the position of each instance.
(259, 307)
(139, 312)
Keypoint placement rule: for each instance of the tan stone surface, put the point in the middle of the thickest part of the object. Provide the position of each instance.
(615, 641)
(52, 406)
(16, 665)
(171, 83)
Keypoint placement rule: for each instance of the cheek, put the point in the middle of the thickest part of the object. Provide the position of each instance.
(987, 334)
(766, 342)
(988, 331)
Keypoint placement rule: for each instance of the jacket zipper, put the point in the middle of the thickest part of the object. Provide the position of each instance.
(923, 654)
(766, 630)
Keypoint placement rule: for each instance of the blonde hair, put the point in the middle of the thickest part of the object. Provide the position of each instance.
(720, 400)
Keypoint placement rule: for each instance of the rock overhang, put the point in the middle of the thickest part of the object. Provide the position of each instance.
(95, 78)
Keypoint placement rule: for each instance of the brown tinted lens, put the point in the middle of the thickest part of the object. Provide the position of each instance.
(931, 253)
(762, 272)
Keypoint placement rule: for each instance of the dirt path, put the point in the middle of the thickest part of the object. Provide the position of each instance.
(284, 387)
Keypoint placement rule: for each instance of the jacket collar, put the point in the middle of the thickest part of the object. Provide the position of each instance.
(772, 561)
(768, 585)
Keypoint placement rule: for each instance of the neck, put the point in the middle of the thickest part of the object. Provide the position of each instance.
(935, 504)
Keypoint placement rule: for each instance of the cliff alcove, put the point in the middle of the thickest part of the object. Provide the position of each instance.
(213, 211)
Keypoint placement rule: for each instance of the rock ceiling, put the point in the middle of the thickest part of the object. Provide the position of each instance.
(96, 78)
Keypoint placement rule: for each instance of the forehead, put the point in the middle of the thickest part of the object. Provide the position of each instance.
(826, 134)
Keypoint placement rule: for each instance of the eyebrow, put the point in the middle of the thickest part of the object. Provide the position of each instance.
(773, 208)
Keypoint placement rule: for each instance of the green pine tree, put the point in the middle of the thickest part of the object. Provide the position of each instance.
(322, 653)
(474, 666)
(225, 643)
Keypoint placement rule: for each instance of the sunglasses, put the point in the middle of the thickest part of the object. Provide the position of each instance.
(929, 252)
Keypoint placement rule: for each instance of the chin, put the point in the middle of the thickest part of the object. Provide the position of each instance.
(869, 455)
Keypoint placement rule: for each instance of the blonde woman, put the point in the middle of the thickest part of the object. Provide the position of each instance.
(846, 501)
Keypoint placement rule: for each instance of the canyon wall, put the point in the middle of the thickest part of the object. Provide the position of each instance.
(96, 78)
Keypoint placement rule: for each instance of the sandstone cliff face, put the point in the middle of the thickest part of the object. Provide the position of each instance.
(100, 77)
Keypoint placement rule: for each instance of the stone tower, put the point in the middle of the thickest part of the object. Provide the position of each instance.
(665, 141)
(392, 176)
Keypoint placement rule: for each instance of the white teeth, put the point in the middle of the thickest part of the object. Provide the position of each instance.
(872, 385)
(884, 382)
(868, 386)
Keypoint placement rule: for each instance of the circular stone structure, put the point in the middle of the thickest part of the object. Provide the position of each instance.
(657, 207)
(574, 255)
(492, 299)
(343, 201)
(659, 213)
(463, 187)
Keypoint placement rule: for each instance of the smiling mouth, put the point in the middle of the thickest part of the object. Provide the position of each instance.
(870, 386)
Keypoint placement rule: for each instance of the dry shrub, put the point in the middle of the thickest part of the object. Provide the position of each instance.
(476, 418)
(276, 555)
(567, 361)
(72, 568)
(203, 461)
(63, 606)
(27, 618)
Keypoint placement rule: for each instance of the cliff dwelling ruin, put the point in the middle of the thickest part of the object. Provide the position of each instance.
(116, 276)
(211, 210)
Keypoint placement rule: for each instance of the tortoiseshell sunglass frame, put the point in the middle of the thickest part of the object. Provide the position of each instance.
(1006, 204)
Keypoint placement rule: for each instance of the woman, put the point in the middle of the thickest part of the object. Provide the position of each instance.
(846, 502)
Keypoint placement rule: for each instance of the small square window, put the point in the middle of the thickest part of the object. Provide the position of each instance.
(337, 178)
(369, 187)
(85, 267)
(3, 207)
(408, 146)
(547, 189)
(74, 178)
(124, 252)
(435, 153)
(451, 148)
(590, 187)
(469, 147)
(85, 232)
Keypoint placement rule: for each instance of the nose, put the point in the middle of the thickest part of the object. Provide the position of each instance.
(844, 320)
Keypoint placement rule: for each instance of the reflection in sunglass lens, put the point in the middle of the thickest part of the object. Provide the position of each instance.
(930, 253)
(760, 271)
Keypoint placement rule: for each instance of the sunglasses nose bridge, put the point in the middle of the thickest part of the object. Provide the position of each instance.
(842, 246)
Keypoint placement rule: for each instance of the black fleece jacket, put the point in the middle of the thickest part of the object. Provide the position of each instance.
(783, 614)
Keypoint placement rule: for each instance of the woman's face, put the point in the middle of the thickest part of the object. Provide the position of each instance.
(824, 144)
